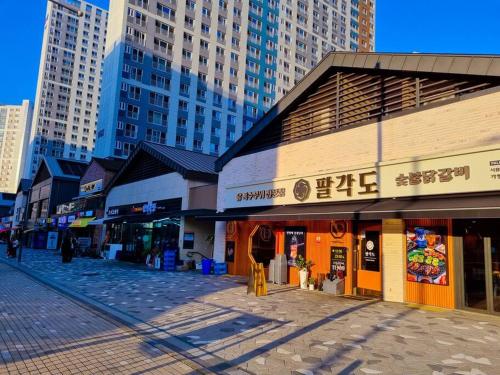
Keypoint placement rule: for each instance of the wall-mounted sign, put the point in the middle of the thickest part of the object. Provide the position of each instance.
(338, 228)
(370, 252)
(230, 246)
(338, 262)
(426, 255)
(188, 240)
(91, 187)
(473, 172)
(295, 243)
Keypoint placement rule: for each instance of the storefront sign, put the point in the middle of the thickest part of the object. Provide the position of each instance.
(91, 187)
(295, 243)
(370, 252)
(69, 207)
(338, 262)
(426, 253)
(136, 208)
(473, 172)
(260, 194)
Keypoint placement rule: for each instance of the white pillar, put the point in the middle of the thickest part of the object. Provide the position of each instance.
(220, 241)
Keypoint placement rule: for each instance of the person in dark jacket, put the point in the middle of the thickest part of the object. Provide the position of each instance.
(67, 248)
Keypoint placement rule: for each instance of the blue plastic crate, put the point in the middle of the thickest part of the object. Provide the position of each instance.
(220, 268)
(169, 261)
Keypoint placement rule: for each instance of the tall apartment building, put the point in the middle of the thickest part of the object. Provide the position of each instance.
(69, 80)
(15, 125)
(196, 74)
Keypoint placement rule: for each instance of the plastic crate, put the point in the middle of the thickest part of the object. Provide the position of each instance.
(169, 261)
(220, 268)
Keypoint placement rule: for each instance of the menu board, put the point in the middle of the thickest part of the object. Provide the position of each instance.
(295, 243)
(426, 255)
(338, 262)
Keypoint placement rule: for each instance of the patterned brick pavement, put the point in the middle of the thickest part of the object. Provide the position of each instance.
(288, 332)
(42, 332)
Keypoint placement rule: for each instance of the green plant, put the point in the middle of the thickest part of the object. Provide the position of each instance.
(303, 264)
(210, 239)
(312, 280)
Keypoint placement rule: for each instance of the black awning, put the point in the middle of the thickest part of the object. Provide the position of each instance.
(441, 207)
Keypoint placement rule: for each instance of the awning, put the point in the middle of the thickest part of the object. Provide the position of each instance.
(451, 206)
(97, 222)
(81, 222)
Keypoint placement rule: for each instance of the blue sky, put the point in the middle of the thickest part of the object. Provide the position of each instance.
(455, 26)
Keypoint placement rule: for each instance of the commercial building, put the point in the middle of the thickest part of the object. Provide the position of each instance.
(83, 214)
(197, 74)
(20, 205)
(153, 199)
(15, 125)
(69, 83)
(56, 181)
(384, 171)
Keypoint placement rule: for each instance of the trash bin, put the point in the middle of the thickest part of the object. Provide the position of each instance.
(206, 266)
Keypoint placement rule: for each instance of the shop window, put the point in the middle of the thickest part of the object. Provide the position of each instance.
(263, 245)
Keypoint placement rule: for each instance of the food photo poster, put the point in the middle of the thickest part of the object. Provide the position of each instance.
(427, 255)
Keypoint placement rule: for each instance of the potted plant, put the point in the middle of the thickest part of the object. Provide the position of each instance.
(311, 283)
(303, 266)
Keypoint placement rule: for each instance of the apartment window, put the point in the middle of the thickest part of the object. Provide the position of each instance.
(184, 89)
(156, 136)
(188, 38)
(180, 140)
(134, 93)
(127, 148)
(186, 54)
(166, 12)
(182, 122)
(157, 118)
(132, 111)
(197, 144)
(205, 29)
(183, 105)
(130, 131)
(161, 64)
(204, 44)
(200, 110)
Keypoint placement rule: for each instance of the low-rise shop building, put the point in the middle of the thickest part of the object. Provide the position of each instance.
(383, 170)
(84, 213)
(56, 181)
(153, 199)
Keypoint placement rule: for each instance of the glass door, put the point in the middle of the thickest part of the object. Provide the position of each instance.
(474, 270)
(495, 273)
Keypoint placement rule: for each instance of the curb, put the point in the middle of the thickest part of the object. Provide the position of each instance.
(197, 359)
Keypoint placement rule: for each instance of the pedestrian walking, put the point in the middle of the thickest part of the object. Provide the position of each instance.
(15, 246)
(9, 247)
(67, 248)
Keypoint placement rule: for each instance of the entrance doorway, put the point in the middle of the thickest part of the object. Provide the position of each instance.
(368, 280)
(481, 265)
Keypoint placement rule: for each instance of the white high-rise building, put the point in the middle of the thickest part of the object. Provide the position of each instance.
(69, 81)
(196, 74)
(15, 125)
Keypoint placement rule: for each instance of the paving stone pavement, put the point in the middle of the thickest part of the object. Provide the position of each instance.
(289, 331)
(43, 332)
